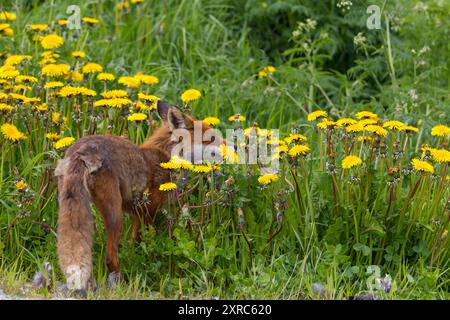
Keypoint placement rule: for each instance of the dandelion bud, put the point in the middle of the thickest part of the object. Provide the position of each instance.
(280, 217)
(229, 181)
(444, 235)
(241, 219)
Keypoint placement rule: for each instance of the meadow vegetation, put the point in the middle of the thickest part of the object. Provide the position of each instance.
(361, 202)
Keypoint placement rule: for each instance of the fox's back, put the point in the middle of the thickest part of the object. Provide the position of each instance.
(113, 156)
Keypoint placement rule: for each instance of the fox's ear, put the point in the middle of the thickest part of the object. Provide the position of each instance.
(178, 119)
(162, 110)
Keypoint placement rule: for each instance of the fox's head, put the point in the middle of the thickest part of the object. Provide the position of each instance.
(182, 135)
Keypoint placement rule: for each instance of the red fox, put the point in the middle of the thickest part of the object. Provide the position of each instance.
(106, 170)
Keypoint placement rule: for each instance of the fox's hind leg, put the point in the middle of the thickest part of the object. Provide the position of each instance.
(108, 200)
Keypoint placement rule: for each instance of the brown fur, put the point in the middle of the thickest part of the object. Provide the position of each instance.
(106, 170)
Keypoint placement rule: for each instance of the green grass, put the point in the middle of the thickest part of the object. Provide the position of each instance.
(218, 47)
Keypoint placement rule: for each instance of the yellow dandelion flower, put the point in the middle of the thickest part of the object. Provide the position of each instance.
(167, 186)
(114, 103)
(147, 97)
(46, 61)
(228, 155)
(254, 130)
(142, 106)
(64, 142)
(440, 130)
(137, 117)
(299, 149)
(16, 59)
(20, 79)
(365, 139)
(202, 168)
(8, 16)
(317, 114)
(182, 163)
(265, 132)
(16, 96)
(345, 122)
(146, 79)
(52, 136)
(190, 95)
(31, 100)
(79, 54)
(69, 91)
(49, 54)
(112, 94)
(294, 137)
(7, 68)
(39, 27)
(366, 114)
(41, 107)
(63, 22)
(211, 121)
(122, 5)
(92, 67)
(51, 41)
(357, 127)
(9, 74)
(53, 84)
(56, 118)
(55, 70)
(169, 165)
(236, 118)
(326, 123)
(177, 163)
(351, 161)
(6, 107)
(75, 76)
(276, 142)
(21, 87)
(422, 166)
(90, 21)
(276, 156)
(440, 155)
(6, 30)
(21, 185)
(368, 121)
(393, 124)
(268, 178)
(377, 130)
(11, 133)
(103, 76)
(266, 71)
(408, 129)
(130, 82)
(281, 149)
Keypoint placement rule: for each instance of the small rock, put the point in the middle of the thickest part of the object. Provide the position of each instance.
(318, 289)
(368, 296)
(113, 278)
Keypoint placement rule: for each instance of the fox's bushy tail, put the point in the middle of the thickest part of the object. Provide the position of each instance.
(75, 223)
